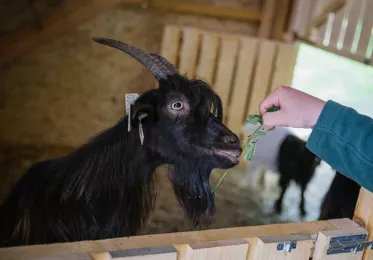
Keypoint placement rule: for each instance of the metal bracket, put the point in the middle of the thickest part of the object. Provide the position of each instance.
(287, 246)
(348, 244)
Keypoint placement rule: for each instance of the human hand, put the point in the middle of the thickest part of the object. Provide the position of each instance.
(297, 109)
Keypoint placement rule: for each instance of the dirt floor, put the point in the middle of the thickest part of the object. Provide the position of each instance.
(236, 203)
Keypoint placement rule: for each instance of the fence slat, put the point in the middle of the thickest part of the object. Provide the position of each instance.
(225, 71)
(366, 29)
(322, 244)
(353, 18)
(262, 79)
(244, 72)
(266, 248)
(217, 250)
(207, 61)
(302, 17)
(189, 51)
(364, 215)
(283, 75)
(267, 20)
(337, 28)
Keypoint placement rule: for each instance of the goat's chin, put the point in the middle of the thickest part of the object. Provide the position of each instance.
(192, 189)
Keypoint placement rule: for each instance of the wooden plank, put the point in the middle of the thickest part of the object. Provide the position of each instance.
(322, 15)
(208, 57)
(302, 17)
(262, 77)
(321, 35)
(179, 238)
(100, 256)
(331, 49)
(353, 18)
(366, 29)
(316, 7)
(218, 250)
(64, 19)
(283, 7)
(70, 257)
(267, 20)
(151, 253)
(207, 10)
(170, 43)
(337, 27)
(267, 248)
(322, 244)
(225, 70)
(283, 75)
(364, 215)
(189, 51)
(244, 73)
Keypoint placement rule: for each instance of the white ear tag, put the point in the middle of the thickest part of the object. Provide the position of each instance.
(141, 132)
(130, 99)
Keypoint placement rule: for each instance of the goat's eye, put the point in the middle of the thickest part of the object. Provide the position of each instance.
(177, 105)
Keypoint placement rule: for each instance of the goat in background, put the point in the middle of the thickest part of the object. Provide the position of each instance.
(105, 188)
(340, 200)
(280, 151)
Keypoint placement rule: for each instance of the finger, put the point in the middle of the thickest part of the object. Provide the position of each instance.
(270, 101)
(273, 119)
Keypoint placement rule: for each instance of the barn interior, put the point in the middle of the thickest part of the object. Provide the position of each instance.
(58, 88)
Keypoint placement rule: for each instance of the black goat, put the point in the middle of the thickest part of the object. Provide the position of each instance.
(105, 188)
(341, 198)
(295, 162)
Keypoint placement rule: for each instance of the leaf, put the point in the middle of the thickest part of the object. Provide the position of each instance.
(254, 119)
(273, 109)
(249, 153)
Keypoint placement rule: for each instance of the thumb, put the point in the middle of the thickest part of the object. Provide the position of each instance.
(272, 119)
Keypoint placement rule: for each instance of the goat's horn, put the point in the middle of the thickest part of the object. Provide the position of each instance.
(157, 66)
(166, 63)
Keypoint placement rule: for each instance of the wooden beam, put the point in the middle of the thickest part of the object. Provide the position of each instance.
(322, 18)
(267, 19)
(174, 239)
(74, 13)
(243, 14)
(348, 55)
(282, 13)
(64, 19)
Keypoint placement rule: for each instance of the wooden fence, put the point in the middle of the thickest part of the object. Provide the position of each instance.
(241, 69)
(343, 27)
(333, 239)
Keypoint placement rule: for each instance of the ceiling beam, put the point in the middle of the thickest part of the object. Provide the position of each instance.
(73, 13)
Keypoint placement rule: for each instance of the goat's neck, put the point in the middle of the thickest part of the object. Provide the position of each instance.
(112, 162)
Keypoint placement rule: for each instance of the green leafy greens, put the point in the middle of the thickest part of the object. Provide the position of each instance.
(250, 145)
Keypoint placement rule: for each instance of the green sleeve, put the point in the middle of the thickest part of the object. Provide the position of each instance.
(343, 138)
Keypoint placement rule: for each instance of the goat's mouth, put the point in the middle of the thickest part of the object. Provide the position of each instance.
(231, 155)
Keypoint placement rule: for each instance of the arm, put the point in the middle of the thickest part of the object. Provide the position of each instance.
(343, 138)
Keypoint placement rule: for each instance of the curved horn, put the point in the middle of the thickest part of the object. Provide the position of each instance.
(156, 66)
(166, 63)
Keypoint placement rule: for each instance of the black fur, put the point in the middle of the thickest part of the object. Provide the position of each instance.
(105, 188)
(341, 198)
(295, 162)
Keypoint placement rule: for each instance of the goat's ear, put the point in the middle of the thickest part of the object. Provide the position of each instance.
(145, 111)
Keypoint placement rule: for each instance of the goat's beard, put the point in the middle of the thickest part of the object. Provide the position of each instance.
(192, 188)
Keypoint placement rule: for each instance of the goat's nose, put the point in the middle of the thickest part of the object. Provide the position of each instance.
(231, 139)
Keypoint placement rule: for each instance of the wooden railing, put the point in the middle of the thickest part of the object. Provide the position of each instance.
(343, 27)
(292, 241)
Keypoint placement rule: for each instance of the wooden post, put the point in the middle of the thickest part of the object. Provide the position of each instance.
(267, 19)
(364, 216)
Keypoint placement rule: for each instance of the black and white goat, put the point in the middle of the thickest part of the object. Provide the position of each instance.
(280, 151)
(105, 188)
(340, 200)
